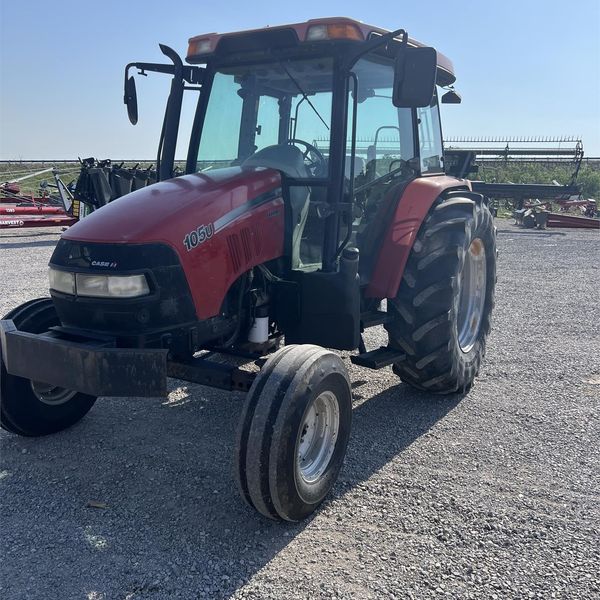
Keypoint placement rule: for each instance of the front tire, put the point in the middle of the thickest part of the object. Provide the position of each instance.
(442, 312)
(293, 432)
(31, 408)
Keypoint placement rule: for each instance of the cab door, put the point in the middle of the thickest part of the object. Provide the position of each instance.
(384, 160)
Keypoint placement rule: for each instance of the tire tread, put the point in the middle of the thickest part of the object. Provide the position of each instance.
(426, 305)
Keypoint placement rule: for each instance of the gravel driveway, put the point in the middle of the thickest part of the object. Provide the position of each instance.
(495, 495)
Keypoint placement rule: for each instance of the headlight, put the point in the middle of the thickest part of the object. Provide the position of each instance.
(100, 286)
(61, 281)
(112, 286)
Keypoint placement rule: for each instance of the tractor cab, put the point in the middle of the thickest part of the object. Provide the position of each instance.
(345, 112)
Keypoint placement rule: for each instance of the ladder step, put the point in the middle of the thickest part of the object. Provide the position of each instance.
(377, 359)
(373, 318)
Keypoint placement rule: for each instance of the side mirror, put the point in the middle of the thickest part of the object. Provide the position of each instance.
(451, 97)
(130, 100)
(414, 77)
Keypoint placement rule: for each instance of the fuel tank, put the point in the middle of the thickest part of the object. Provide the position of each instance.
(220, 224)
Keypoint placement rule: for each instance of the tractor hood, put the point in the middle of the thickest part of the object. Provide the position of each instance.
(169, 210)
(220, 225)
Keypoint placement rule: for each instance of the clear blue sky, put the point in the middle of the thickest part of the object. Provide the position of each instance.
(525, 67)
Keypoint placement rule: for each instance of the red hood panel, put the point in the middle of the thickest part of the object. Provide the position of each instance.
(166, 211)
(220, 224)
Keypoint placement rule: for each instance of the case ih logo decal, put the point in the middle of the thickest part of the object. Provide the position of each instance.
(104, 263)
(198, 236)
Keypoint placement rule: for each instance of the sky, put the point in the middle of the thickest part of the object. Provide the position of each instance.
(524, 68)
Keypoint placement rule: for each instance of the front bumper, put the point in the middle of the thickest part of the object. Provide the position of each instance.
(91, 367)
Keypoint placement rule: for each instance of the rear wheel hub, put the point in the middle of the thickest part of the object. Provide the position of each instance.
(473, 283)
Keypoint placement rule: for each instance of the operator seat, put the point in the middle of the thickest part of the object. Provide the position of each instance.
(288, 159)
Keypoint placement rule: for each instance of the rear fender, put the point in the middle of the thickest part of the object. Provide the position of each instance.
(413, 206)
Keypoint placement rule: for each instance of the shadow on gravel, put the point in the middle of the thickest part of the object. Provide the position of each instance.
(39, 244)
(169, 517)
(386, 424)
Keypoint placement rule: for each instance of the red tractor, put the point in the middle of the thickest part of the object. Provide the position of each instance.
(313, 207)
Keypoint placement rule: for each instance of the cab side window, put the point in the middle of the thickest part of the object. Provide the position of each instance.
(267, 122)
(430, 138)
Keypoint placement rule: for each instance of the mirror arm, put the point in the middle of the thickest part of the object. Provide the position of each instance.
(192, 74)
(181, 74)
(153, 67)
(375, 43)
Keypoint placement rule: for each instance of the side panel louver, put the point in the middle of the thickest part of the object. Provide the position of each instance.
(243, 247)
(233, 243)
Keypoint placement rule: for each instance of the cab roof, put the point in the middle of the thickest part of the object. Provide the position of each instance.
(312, 32)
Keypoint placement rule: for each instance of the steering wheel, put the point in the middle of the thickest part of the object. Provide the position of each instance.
(312, 156)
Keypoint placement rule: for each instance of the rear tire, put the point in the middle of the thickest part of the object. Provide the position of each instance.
(31, 408)
(293, 432)
(442, 312)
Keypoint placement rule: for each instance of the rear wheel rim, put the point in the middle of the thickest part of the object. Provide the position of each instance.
(318, 436)
(51, 394)
(473, 285)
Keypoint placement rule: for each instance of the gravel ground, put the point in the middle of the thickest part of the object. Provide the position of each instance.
(495, 495)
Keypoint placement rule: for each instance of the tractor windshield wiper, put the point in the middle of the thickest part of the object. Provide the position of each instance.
(304, 96)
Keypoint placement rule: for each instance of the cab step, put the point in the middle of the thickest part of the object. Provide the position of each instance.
(374, 318)
(377, 359)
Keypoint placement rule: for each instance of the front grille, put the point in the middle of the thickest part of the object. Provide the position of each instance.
(168, 305)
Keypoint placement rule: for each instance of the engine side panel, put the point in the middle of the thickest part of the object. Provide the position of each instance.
(415, 203)
(251, 239)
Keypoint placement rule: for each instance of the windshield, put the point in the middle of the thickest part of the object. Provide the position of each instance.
(255, 106)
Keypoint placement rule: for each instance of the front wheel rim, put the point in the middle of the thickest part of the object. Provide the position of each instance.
(50, 394)
(473, 285)
(318, 435)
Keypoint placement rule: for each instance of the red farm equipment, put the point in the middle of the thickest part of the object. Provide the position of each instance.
(271, 235)
(18, 210)
(98, 183)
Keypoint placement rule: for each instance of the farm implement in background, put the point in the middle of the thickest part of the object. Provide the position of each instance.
(98, 183)
(11, 190)
(18, 209)
(539, 215)
(478, 154)
(531, 203)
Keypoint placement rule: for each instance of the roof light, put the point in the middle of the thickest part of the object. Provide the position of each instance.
(316, 32)
(201, 46)
(334, 31)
